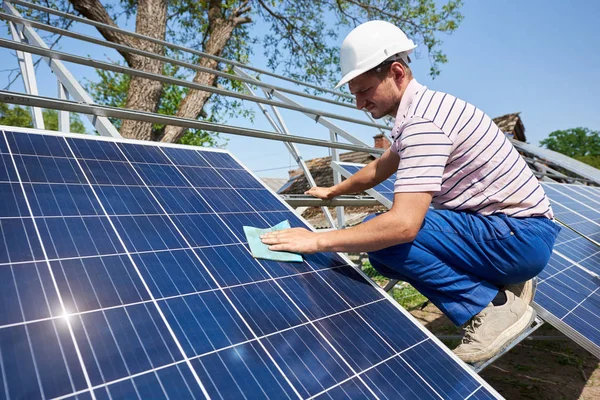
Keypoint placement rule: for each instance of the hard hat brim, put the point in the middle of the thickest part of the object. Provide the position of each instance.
(359, 71)
(348, 77)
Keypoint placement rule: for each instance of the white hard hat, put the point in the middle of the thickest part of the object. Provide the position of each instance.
(370, 44)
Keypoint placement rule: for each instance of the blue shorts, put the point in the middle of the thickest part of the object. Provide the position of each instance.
(459, 260)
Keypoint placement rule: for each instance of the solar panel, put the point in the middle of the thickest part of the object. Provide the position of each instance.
(568, 294)
(561, 160)
(384, 192)
(125, 273)
(576, 206)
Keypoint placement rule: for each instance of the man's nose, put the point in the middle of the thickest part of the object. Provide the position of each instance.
(360, 102)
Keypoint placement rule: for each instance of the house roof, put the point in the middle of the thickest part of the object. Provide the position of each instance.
(274, 183)
(512, 125)
(320, 169)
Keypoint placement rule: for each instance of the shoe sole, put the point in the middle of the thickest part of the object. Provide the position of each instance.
(503, 340)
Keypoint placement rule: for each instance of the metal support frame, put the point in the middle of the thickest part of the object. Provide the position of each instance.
(174, 61)
(175, 46)
(136, 115)
(64, 123)
(319, 117)
(282, 128)
(28, 74)
(101, 123)
(337, 178)
(57, 55)
(302, 200)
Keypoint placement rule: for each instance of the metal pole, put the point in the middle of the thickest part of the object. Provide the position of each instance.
(57, 55)
(337, 178)
(64, 123)
(28, 74)
(282, 128)
(102, 124)
(133, 50)
(136, 115)
(175, 46)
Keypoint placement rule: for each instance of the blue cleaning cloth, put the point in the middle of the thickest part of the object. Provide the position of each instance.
(261, 250)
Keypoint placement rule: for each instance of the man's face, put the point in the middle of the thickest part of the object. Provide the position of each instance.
(379, 97)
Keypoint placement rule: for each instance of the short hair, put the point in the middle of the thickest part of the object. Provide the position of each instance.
(382, 69)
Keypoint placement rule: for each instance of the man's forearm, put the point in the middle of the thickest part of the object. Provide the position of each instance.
(382, 231)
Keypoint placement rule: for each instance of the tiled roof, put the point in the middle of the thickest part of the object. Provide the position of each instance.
(320, 169)
(512, 125)
(274, 183)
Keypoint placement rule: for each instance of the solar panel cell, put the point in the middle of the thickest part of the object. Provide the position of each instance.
(231, 265)
(94, 283)
(13, 202)
(204, 322)
(172, 273)
(265, 307)
(243, 370)
(26, 293)
(54, 200)
(20, 241)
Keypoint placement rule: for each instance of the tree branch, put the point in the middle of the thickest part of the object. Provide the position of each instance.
(290, 28)
(94, 10)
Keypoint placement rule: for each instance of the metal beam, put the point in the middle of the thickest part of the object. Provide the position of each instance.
(136, 115)
(319, 117)
(337, 178)
(64, 123)
(133, 50)
(28, 74)
(282, 128)
(102, 124)
(301, 200)
(174, 46)
(57, 55)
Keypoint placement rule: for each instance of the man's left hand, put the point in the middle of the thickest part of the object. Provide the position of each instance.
(295, 240)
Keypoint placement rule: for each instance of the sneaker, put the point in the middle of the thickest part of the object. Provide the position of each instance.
(524, 290)
(495, 327)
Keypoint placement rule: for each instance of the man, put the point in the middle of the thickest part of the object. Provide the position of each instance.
(491, 228)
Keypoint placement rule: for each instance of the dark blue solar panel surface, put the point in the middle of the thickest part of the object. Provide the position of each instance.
(124, 273)
(568, 294)
(384, 192)
(576, 206)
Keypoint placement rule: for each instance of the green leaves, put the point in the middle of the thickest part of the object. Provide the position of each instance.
(298, 38)
(582, 144)
(20, 116)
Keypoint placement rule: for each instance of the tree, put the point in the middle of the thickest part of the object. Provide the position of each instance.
(582, 144)
(20, 116)
(299, 41)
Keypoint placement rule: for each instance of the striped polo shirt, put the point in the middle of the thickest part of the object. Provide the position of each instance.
(449, 147)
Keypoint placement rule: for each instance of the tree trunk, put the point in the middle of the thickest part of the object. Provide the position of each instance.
(220, 31)
(143, 94)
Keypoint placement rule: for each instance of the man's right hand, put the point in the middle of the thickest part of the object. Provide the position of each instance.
(324, 193)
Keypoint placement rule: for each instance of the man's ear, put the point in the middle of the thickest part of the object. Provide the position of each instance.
(398, 73)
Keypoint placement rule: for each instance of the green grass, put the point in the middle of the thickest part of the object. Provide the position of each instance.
(406, 295)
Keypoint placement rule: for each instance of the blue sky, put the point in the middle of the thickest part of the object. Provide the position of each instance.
(535, 57)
